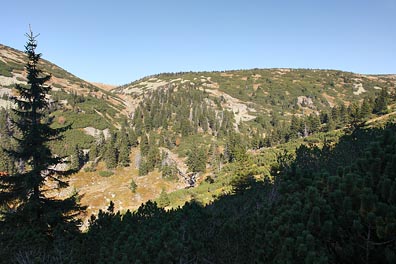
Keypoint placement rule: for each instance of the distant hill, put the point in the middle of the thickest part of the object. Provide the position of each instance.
(12, 71)
(73, 100)
(269, 90)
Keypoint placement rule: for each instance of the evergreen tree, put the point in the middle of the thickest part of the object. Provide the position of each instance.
(381, 102)
(169, 172)
(7, 163)
(133, 186)
(123, 148)
(313, 123)
(144, 145)
(330, 125)
(365, 109)
(235, 149)
(93, 152)
(294, 127)
(153, 157)
(76, 159)
(132, 138)
(143, 168)
(110, 153)
(26, 189)
(163, 200)
(196, 159)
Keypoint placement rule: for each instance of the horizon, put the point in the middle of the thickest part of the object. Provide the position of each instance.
(119, 44)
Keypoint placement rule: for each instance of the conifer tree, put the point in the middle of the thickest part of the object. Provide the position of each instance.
(123, 148)
(144, 145)
(294, 127)
(365, 109)
(163, 200)
(143, 169)
(76, 158)
(381, 102)
(26, 189)
(7, 163)
(110, 156)
(196, 159)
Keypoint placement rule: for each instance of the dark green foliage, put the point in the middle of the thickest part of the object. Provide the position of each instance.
(235, 149)
(133, 186)
(169, 172)
(163, 200)
(196, 159)
(123, 147)
(311, 213)
(105, 173)
(7, 162)
(5, 69)
(346, 215)
(153, 156)
(110, 155)
(189, 111)
(29, 212)
(381, 102)
(77, 159)
(143, 167)
(144, 145)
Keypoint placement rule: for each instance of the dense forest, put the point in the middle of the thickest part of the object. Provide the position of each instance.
(317, 200)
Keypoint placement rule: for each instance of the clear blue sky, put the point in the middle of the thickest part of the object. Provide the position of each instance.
(118, 41)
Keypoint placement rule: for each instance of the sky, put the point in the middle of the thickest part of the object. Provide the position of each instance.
(119, 41)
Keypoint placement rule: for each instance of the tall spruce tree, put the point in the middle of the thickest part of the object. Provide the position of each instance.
(26, 194)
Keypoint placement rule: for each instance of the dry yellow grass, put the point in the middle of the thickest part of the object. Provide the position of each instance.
(98, 191)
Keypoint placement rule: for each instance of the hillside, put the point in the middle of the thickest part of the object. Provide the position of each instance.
(74, 101)
(275, 165)
(270, 90)
(12, 71)
(174, 131)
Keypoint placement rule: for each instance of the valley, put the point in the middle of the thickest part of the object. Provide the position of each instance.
(245, 102)
(243, 166)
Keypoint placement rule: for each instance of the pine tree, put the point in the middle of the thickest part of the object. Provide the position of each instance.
(196, 159)
(123, 148)
(93, 152)
(163, 200)
(365, 109)
(381, 102)
(143, 169)
(7, 163)
(153, 157)
(132, 138)
(294, 127)
(144, 145)
(313, 123)
(133, 186)
(76, 158)
(111, 155)
(26, 189)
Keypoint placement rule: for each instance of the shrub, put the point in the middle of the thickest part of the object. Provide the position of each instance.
(133, 186)
(105, 173)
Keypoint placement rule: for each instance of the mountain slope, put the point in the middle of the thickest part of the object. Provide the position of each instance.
(190, 129)
(266, 90)
(12, 71)
(73, 100)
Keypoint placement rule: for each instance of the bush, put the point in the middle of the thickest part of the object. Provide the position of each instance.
(133, 186)
(105, 173)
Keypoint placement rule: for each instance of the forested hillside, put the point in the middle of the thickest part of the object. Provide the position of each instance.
(245, 166)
